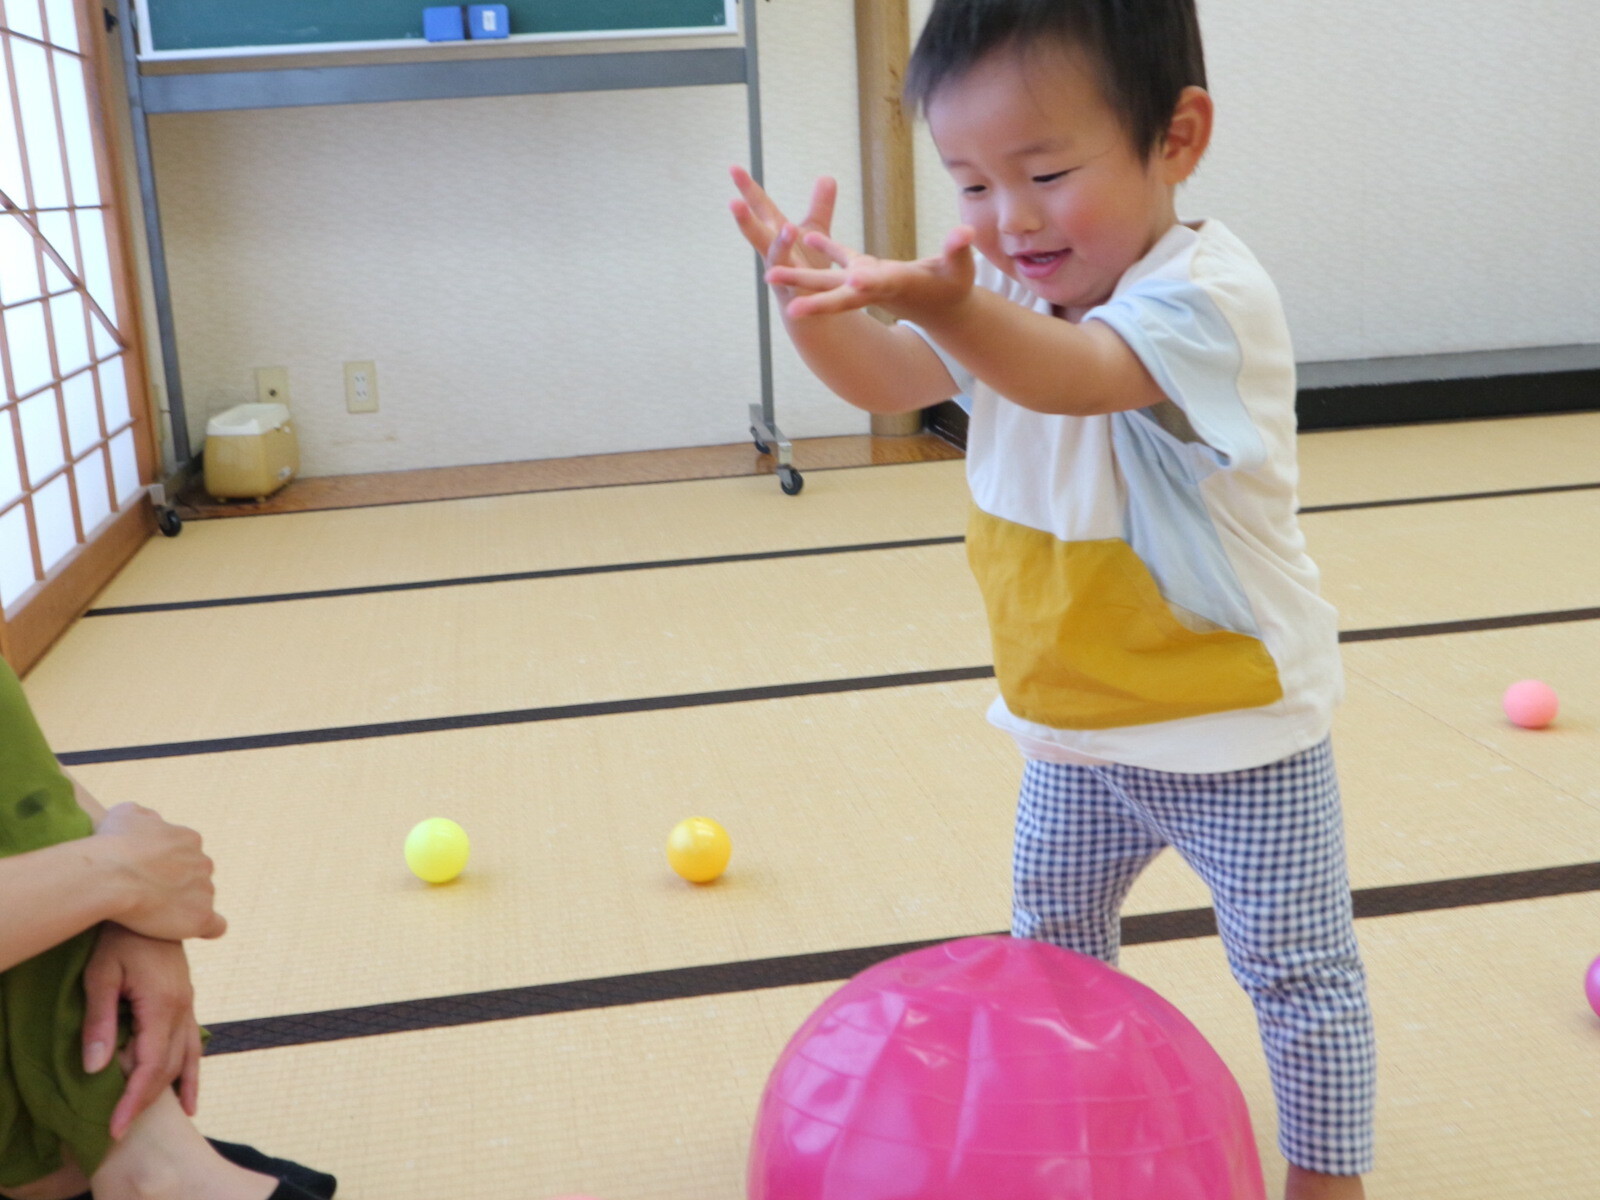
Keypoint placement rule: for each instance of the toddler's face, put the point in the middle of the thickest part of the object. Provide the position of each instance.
(1048, 177)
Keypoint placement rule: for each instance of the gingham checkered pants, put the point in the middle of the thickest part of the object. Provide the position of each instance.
(1269, 843)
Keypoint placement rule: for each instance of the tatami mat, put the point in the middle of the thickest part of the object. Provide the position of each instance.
(403, 656)
(1459, 679)
(411, 655)
(861, 819)
(1451, 562)
(555, 530)
(543, 531)
(1347, 466)
(1486, 1092)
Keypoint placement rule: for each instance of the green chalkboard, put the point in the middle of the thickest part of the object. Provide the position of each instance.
(190, 26)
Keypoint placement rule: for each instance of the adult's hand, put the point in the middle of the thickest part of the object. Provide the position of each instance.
(153, 977)
(166, 876)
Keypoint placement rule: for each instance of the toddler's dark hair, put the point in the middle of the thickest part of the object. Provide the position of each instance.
(1146, 51)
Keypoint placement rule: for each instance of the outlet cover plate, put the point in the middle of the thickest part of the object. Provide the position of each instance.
(361, 387)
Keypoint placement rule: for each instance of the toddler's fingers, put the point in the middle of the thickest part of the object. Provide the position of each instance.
(836, 251)
(829, 303)
(810, 278)
(758, 234)
(778, 253)
(960, 239)
(756, 196)
(823, 197)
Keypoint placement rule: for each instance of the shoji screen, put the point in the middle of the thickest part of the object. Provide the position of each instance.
(74, 443)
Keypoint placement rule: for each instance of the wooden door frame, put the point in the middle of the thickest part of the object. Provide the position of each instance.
(71, 585)
(888, 175)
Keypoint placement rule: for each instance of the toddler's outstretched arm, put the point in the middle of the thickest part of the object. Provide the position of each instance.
(877, 367)
(1035, 360)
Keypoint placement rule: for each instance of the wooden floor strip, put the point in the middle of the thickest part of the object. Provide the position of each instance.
(546, 475)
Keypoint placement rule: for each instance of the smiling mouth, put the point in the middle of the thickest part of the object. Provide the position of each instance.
(1038, 265)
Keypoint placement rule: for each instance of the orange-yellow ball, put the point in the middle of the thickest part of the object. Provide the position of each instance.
(698, 849)
(437, 849)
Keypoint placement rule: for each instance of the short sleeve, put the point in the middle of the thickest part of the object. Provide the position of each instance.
(963, 377)
(990, 278)
(37, 804)
(1191, 350)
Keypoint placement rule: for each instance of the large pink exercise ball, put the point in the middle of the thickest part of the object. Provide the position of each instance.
(1006, 1069)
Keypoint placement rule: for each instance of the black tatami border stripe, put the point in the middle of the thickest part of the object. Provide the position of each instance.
(128, 610)
(298, 1029)
(1473, 625)
(1452, 499)
(786, 691)
(524, 716)
(520, 576)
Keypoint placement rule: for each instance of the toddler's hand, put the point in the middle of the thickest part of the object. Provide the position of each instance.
(165, 873)
(779, 241)
(907, 289)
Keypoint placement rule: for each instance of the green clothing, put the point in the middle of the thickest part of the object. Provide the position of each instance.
(47, 1101)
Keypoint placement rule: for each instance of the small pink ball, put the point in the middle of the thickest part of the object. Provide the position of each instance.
(1591, 986)
(1530, 703)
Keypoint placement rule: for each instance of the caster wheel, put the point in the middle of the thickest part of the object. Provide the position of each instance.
(761, 447)
(790, 481)
(169, 522)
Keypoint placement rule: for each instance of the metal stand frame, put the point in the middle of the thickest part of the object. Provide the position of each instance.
(763, 420)
(301, 86)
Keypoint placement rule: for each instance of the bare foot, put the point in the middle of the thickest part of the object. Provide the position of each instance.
(164, 1157)
(1309, 1185)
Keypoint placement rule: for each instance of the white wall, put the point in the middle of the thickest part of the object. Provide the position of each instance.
(550, 276)
(535, 277)
(1415, 175)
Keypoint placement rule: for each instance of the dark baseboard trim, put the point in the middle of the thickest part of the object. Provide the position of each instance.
(947, 420)
(1449, 387)
(1411, 390)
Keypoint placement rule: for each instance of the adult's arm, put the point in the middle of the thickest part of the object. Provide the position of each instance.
(56, 893)
(136, 869)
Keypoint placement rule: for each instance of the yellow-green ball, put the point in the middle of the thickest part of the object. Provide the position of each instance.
(437, 849)
(698, 849)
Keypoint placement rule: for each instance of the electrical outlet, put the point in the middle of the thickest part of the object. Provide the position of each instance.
(272, 385)
(361, 387)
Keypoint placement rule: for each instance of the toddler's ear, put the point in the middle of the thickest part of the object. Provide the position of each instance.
(1188, 135)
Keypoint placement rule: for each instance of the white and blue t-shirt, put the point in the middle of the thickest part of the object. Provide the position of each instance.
(1147, 583)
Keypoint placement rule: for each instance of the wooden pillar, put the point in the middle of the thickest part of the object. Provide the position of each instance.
(883, 45)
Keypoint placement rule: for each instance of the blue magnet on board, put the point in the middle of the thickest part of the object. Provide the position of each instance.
(489, 20)
(444, 24)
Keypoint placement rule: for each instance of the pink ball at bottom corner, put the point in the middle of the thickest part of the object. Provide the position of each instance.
(1530, 703)
(1006, 1068)
(1591, 986)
